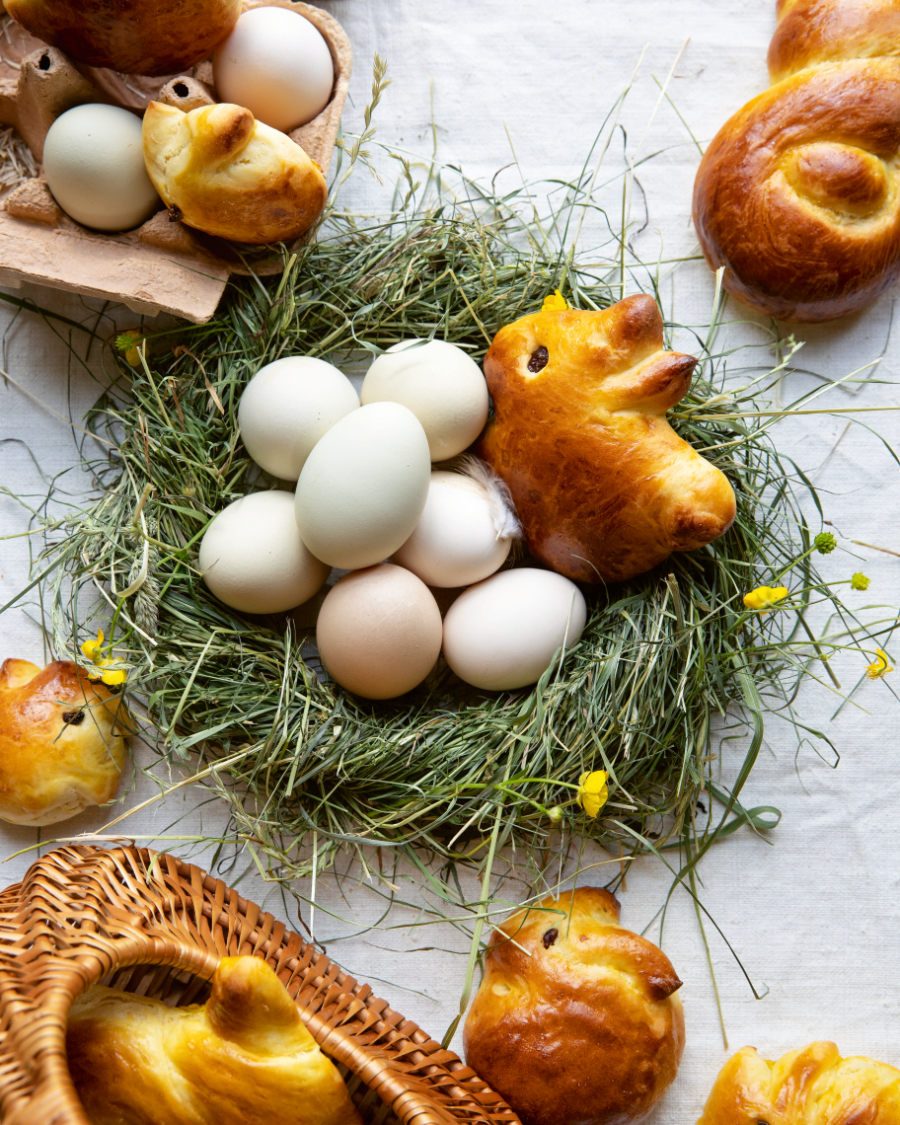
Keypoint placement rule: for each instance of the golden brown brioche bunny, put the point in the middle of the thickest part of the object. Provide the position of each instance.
(813, 1086)
(62, 742)
(576, 1019)
(244, 1056)
(604, 487)
(223, 172)
(798, 195)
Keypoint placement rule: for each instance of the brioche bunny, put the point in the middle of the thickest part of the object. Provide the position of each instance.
(798, 195)
(244, 1056)
(604, 487)
(813, 1086)
(223, 172)
(62, 742)
(577, 1019)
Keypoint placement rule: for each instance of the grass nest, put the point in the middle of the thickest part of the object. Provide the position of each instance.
(672, 669)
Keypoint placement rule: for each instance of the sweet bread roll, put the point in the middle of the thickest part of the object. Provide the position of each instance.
(576, 1019)
(604, 487)
(244, 1056)
(813, 1086)
(223, 172)
(62, 742)
(798, 195)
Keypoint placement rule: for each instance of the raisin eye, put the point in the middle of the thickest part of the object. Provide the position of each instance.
(550, 937)
(73, 718)
(539, 359)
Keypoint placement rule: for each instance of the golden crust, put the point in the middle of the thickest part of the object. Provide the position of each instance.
(244, 1056)
(816, 31)
(149, 37)
(576, 1019)
(798, 195)
(603, 486)
(225, 173)
(62, 744)
(812, 1086)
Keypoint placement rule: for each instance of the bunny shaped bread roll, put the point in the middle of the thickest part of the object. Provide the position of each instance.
(220, 170)
(577, 1019)
(62, 742)
(798, 195)
(813, 1086)
(603, 486)
(244, 1056)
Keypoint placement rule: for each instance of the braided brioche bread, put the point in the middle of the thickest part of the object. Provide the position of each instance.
(603, 486)
(798, 195)
(812, 1086)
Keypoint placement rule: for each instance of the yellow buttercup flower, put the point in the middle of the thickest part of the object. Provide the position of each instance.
(593, 791)
(92, 649)
(880, 666)
(765, 597)
(129, 344)
(105, 668)
(556, 302)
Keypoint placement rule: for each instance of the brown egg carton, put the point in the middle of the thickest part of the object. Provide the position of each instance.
(162, 265)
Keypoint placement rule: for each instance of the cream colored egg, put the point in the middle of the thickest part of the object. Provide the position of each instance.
(277, 64)
(253, 559)
(364, 486)
(379, 632)
(462, 534)
(94, 166)
(505, 632)
(287, 406)
(441, 385)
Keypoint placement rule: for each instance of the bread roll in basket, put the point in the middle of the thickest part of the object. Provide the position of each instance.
(147, 922)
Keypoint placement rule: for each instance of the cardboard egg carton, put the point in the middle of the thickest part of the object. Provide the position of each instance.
(162, 265)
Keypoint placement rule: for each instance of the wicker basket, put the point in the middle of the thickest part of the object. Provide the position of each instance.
(153, 924)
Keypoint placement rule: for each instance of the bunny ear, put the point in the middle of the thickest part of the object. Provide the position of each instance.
(16, 673)
(248, 1001)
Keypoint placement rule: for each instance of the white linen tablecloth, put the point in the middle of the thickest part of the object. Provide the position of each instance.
(811, 910)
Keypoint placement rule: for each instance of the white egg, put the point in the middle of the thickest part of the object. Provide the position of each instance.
(508, 630)
(441, 385)
(277, 64)
(287, 406)
(461, 536)
(364, 486)
(253, 559)
(94, 166)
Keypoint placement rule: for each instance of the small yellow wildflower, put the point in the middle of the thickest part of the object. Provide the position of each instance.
(104, 668)
(556, 302)
(859, 581)
(880, 666)
(593, 791)
(129, 344)
(765, 597)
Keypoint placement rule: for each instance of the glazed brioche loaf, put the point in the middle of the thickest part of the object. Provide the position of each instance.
(603, 486)
(812, 1086)
(577, 1019)
(798, 195)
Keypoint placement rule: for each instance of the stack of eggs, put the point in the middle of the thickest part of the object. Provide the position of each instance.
(105, 173)
(369, 502)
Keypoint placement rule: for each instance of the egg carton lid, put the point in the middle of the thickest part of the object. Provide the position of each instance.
(162, 265)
